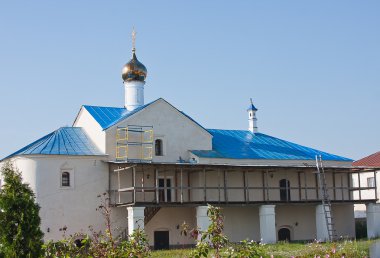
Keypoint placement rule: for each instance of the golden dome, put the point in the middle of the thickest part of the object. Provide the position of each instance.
(134, 70)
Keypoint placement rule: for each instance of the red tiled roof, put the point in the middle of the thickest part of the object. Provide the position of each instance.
(372, 160)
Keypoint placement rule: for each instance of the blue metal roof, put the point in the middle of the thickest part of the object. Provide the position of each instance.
(64, 141)
(240, 144)
(109, 116)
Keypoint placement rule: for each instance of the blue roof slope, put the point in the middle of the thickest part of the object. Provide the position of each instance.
(240, 144)
(64, 141)
(109, 116)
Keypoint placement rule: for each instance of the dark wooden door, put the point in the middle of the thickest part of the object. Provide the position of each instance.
(284, 234)
(161, 240)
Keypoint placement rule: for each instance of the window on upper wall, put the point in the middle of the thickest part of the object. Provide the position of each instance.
(158, 147)
(371, 182)
(65, 179)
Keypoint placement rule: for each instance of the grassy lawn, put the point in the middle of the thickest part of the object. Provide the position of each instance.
(338, 249)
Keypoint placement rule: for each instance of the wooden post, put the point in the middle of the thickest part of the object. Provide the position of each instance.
(165, 188)
(267, 184)
(334, 187)
(360, 192)
(118, 182)
(156, 184)
(317, 185)
(306, 190)
(219, 185)
(246, 194)
(299, 186)
(134, 184)
(263, 184)
(341, 186)
(225, 186)
(188, 185)
(374, 175)
(204, 186)
(349, 186)
(181, 186)
(175, 185)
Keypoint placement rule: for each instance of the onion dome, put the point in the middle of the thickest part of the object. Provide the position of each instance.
(134, 70)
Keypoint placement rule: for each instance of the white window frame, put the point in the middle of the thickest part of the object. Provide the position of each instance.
(71, 182)
(171, 178)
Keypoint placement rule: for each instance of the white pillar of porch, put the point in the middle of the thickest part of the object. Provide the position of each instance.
(373, 220)
(203, 222)
(267, 224)
(135, 218)
(320, 223)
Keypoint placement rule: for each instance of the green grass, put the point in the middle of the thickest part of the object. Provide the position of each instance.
(348, 248)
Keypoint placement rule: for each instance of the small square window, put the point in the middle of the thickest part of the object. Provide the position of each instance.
(371, 182)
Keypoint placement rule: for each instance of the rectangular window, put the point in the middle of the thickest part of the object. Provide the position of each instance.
(371, 182)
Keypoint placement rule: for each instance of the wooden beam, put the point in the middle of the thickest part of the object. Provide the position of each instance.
(349, 185)
(188, 185)
(317, 185)
(299, 186)
(204, 186)
(360, 192)
(134, 184)
(176, 183)
(156, 184)
(225, 186)
(306, 188)
(334, 186)
(181, 186)
(246, 193)
(219, 185)
(375, 179)
(341, 187)
(263, 183)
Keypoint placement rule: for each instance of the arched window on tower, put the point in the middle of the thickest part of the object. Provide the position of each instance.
(158, 148)
(65, 179)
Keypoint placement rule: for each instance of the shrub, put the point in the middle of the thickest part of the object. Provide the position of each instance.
(20, 234)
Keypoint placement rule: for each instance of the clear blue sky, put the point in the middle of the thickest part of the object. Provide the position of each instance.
(311, 67)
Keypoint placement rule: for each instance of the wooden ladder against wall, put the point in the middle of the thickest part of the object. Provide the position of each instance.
(149, 213)
(326, 202)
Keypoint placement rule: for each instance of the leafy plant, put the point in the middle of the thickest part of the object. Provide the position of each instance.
(20, 233)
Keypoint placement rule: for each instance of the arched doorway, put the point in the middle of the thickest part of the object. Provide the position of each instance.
(283, 234)
(284, 190)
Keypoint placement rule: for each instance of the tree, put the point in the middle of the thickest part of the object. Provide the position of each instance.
(20, 233)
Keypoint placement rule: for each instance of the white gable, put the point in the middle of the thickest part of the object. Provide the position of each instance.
(178, 133)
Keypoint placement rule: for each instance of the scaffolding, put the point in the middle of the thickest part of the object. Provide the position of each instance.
(134, 143)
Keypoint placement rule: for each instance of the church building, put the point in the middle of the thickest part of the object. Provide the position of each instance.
(160, 168)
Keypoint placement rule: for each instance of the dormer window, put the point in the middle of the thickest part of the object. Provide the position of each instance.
(65, 179)
(158, 147)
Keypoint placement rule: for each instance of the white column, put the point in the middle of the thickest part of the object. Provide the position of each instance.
(267, 224)
(134, 94)
(203, 222)
(373, 220)
(320, 223)
(135, 218)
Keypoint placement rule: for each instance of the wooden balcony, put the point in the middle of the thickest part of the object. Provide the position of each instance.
(193, 185)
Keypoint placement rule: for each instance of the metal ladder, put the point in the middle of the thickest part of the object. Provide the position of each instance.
(326, 203)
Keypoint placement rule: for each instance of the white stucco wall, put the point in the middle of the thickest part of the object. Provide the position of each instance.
(178, 132)
(168, 219)
(74, 206)
(92, 128)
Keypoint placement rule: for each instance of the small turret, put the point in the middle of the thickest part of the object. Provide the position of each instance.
(252, 120)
